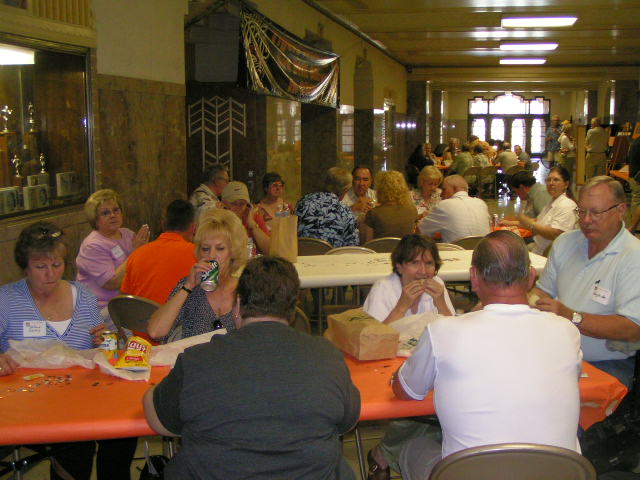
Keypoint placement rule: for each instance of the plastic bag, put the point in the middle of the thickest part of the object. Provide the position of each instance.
(36, 353)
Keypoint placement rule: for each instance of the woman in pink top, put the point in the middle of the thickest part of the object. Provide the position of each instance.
(102, 259)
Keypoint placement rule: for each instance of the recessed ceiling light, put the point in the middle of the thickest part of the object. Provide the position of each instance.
(12, 55)
(528, 46)
(526, 22)
(522, 61)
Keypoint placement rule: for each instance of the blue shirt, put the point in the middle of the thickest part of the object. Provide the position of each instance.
(321, 215)
(606, 284)
(553, 133)
(17, 306)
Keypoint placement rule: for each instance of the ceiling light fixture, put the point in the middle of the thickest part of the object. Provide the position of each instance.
(12, 55)
(528, 22)
(522, 61)
(528, 46)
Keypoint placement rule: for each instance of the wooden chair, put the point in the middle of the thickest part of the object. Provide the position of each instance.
(506, 461)
(382, 244)
(448, 246)
(131, 312)
(349, 249)
(472, 176)
(468, 243)
(300, 321)
(488, 177)
(312, 246)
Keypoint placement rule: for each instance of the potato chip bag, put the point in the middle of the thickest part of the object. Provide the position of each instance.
(136, 357)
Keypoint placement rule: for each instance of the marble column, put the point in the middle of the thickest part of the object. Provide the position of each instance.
(626, 102)
(417, 106)
(592, 106)
(435, 120)
(319, 144)
(363, 134)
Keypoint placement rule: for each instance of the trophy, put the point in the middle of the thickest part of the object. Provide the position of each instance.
(31, 121)
(5, 113)
(42, 163)
(17, 179)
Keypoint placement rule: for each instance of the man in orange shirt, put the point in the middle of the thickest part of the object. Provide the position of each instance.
(154, 269)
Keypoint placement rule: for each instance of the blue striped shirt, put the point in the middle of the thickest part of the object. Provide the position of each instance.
(17, 306)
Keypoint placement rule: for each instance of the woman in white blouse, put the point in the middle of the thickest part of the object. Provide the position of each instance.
(558, 216)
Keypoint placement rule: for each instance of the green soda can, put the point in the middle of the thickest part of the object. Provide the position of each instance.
(209, 279)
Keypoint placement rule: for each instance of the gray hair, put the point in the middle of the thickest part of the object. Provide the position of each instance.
(502, 258)
(615, 187)
(337, 180)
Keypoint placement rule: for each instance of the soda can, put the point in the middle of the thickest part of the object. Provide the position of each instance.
(209, 279)
(109, 341)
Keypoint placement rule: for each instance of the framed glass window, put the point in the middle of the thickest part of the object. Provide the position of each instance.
(44, 127)
(518, 132)
(497, 128)
(478, 128)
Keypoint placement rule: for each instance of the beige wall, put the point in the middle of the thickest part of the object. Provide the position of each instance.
(141, 38)
(389, 77)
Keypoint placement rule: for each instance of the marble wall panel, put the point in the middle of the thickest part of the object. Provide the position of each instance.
(319, 145)
(241, 144)
(141, 145)
(364, 132)
(283, 131)
(626, 102)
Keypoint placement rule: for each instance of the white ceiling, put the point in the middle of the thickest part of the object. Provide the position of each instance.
(459, 40)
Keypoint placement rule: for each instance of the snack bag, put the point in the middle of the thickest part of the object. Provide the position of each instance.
(136, 357)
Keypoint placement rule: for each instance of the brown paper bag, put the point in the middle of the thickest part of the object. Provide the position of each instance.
(284, 237)
(361, 335)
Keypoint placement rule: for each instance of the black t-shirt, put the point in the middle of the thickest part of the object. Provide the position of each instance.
(262, 402)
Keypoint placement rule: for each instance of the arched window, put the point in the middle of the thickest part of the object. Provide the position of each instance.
(511, 117)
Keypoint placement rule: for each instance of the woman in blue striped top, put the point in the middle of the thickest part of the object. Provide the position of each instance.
(44, 306)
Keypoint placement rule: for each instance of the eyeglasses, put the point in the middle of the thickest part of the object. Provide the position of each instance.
(582, 213)
(47, 233)
(108, 212)
(277, 184)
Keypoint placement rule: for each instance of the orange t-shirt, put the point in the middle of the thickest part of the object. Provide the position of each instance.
(154, 269)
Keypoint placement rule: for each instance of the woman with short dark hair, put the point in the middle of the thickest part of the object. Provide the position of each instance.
(414, 286)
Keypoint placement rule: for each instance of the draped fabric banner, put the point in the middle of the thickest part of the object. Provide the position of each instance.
(283, 66)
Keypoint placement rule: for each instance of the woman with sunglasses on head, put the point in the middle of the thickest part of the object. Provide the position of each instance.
(558, 216)
(102, 259)
(57, 310)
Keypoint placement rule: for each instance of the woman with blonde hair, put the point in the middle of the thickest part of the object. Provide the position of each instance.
(191, 310)
(396, 214)
(427, 195)
(102, 259)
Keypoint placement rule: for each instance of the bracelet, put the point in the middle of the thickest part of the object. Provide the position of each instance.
(188, 290)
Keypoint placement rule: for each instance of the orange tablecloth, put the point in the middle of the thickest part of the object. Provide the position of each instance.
(600, 393)
(92, 405)
(523, 232)
(623, 174)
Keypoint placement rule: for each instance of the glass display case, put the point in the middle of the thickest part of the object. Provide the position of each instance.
(44, 127)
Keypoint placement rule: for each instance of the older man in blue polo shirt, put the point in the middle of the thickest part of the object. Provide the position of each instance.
(592, 276)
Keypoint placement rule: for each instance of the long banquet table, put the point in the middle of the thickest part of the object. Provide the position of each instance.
(80, 404)
(317, 271)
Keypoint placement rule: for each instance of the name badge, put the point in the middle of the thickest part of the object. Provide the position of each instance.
(600, 295)
(117, 251)
(34, 328)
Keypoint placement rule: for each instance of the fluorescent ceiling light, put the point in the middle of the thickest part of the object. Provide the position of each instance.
(527, 22)
(522, 61)
(11, 55)
(528, 46)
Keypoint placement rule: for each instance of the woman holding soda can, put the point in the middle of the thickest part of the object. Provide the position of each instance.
(206, 296)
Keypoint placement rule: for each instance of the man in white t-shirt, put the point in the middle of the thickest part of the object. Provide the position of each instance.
(506, 373)
(458, 215)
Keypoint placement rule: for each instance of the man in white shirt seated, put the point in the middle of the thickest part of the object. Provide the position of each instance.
(360, 197)
(506, 373)
(458, 215)
(591, 279)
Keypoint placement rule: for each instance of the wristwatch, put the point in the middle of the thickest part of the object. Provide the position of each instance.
(576, 318)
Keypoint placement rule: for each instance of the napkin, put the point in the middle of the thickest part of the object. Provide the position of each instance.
(37, 353)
